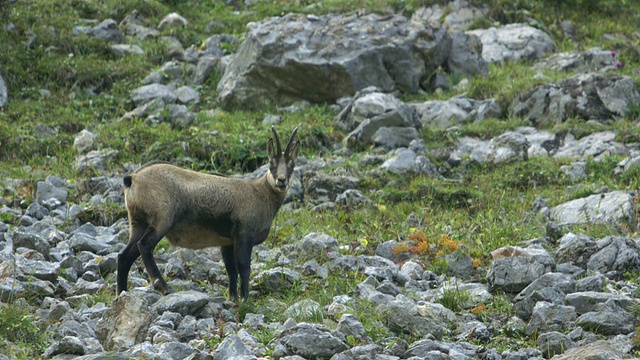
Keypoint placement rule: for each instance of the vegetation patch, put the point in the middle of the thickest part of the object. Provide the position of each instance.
(60, 83)
(23, 336)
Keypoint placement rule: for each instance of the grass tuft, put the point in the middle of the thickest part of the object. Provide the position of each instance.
(23, 336)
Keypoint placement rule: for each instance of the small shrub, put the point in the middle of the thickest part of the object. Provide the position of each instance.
(455, 299)
(420, 245)
(500, 304)
(24, 337)
(635, 340)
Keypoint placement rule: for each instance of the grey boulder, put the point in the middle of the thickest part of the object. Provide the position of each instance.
(334, 55)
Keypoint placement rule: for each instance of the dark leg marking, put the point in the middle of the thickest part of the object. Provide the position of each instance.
(229, 258)
(128, 256)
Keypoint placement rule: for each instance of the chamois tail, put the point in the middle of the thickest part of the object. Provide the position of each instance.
(127, 181)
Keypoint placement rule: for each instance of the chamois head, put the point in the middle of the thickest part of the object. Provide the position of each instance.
(281, 164)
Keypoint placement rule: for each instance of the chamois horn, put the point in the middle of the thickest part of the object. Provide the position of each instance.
(291, 141)
(277, 138)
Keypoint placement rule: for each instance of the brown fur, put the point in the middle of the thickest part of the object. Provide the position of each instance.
(196, 210)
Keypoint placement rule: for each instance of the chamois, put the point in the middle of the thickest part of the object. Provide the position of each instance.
(196, 210)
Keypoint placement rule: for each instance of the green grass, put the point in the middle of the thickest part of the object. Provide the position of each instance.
(23, 336)
(482, 207)
(454, 299)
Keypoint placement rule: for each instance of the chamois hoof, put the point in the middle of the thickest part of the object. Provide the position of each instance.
(162, 287)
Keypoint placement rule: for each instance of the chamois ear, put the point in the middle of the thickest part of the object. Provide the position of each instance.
(293, 152)
(271, 152)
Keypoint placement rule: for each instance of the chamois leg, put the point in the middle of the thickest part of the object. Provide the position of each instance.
(146, 246)
(243, 262)
(128, 256)
(228, 256)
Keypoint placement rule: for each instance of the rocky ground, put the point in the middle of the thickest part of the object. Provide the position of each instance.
(570, 294)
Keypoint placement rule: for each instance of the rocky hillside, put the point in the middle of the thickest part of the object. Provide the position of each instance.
(468, 186)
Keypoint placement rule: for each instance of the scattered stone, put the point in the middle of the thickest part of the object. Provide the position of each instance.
(51, 188)
(587, 301)
(231, 347)
(309, 341)
(402, 116)
(173, 47)
(600, 349)
(316, 245)
(133, 25)
(107, 30)
(151, 108)
(272, 119)
(179, 115)
(31, 241)
(456, 16)
(608, 319)
(405, 161)
(125, 323)
(513, 42)
(616, 254)
(403, 315)
(176, 350)
(69, 345)
(84, 141)
(508, 147)
(184, 302)
(171, 20)
(321, 188)
(352, 198)
(585, 96)
(588, 61)
(591, 283)
(127, 49)
(456, 111)
(576, 248)
(42, 131)
(459, 264)
(466, 55)
(553, 343)
(550, 287)
(597, 146)
(205, 66)
(94, 161)
(42, 270)
(514, 268)
(186, 95)
(613, 207)
(395, 137)
(276, 280)
(146, 93)
(365, 104)
(550, 317)
(576, 171)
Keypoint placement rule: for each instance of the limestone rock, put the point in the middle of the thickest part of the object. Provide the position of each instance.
(125, 323)
(513, 42)
(612, 207)
(337, 55)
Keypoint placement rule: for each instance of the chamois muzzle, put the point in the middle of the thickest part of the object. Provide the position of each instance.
(281, 162)
(281, 183)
